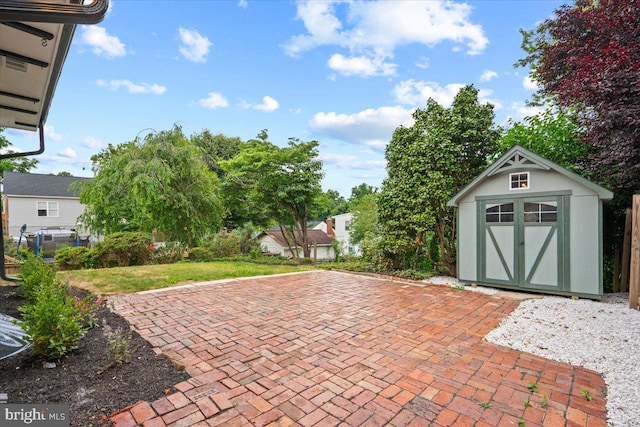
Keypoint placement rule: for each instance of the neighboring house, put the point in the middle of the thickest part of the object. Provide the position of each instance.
(338, 226)
(321, 244)
(39, 201)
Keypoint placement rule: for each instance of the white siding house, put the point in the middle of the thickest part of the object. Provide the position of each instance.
(39, 201)
(273, 243)
(338, 226)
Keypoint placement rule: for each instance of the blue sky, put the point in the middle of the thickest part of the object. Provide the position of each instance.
(343, 73)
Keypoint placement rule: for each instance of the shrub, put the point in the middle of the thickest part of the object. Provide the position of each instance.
(34, 272)
(75, 257)
(200, 254)
(87, 309)
(223, 244)
(118, 350)
(124, 249)
(168, 254)
(53, 321)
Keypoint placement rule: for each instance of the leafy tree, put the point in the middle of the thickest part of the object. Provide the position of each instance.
(330, 203)
(364, 224)
(64, 173)
(216, 148)
(427, 164)
(586, 58)
(282, 182)
(160, 183)
(15, 164)
(360, 191)
(551, 134)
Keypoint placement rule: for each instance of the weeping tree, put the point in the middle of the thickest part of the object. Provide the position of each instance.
(158, 183)
(427, 164)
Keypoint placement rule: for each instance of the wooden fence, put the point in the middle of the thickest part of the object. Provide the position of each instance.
(626, 268)
(634, 259)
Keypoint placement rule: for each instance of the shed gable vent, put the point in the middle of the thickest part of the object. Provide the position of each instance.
(15, 64)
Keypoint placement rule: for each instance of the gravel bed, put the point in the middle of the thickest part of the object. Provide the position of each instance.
(452, 281)
(601, 336)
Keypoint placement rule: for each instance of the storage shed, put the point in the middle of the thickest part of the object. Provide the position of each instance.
(527, 223)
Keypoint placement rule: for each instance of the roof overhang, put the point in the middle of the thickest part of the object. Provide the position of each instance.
(35, 37)
(34, 40)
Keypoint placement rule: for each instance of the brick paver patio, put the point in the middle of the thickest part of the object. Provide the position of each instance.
(328, 348)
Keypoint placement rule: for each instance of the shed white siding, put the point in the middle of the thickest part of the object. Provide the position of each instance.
(569, 247)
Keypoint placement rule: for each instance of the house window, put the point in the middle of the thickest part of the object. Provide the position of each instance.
(499, 213)
(346, 225)
(519, 181)
(47, 209)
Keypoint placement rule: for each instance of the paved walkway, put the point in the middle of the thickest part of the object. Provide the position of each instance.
(328, 348)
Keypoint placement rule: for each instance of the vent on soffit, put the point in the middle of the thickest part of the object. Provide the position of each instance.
(15, 64)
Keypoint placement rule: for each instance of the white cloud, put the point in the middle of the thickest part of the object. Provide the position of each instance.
(349, 161)
(528, 83)
(372, 127)
(488, 75)
(135, 88)
(101, 42)
(243, 4)
(68, 153)
(268, 105)
(91, 142)
(195, 46)
(374, 29)
(520, 110)
(215, 100)
(423, 63)
(360, 66)
(416, 93)
(51, 135)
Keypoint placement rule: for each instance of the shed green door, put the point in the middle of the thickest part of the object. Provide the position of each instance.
(522, 242)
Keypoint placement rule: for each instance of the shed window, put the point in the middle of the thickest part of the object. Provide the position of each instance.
(499, 213)
(519, 181)
(540, 212)
(47, 209)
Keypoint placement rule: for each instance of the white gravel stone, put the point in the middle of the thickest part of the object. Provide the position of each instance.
(452, 281)
(601, 336)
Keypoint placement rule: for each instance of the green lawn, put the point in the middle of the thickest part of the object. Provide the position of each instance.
(108, 281)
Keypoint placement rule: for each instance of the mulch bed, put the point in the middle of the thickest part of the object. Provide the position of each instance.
(80, 378)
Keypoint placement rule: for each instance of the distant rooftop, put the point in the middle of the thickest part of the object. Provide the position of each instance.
(40, 185)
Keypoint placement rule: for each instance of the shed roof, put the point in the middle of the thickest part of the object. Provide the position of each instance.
(518, 158)
(318, 236)
(32, 184)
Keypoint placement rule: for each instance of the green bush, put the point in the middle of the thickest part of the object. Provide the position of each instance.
(75, 257)
(123, 249)
(200, 254)
(223, 244)
(34, 272)
(168, 254)
(53, 322)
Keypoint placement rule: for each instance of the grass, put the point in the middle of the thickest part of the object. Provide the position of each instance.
(109, 281)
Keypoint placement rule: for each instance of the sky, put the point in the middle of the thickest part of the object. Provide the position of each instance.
(343, 73)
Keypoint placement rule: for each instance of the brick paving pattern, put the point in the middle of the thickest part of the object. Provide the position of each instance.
(335, 349)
